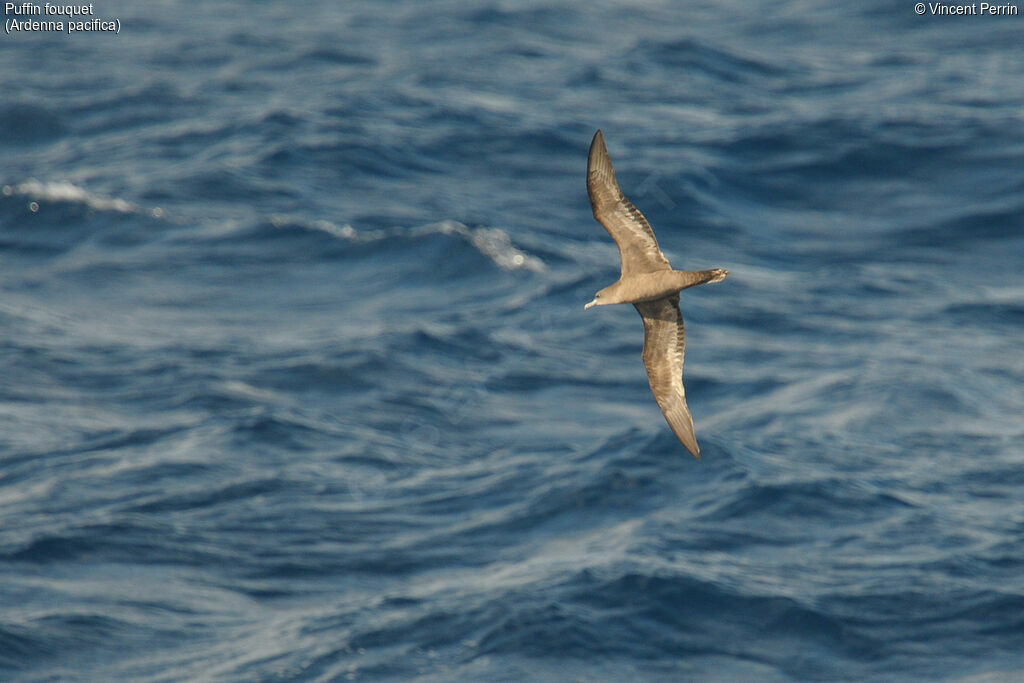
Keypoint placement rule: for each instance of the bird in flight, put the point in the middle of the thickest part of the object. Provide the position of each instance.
(649, 283)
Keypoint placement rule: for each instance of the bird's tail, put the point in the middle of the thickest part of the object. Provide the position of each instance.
(692, 278)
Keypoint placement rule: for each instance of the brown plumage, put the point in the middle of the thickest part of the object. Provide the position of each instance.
(648, 282)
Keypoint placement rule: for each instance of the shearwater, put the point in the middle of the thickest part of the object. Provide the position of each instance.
(649, 283)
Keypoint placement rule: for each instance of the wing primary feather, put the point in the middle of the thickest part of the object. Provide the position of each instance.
(638, 247)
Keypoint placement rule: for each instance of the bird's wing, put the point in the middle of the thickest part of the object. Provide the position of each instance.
(664, 342)
(638, 248)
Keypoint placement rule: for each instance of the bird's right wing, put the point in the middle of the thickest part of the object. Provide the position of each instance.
(638, 248)
(664, 343)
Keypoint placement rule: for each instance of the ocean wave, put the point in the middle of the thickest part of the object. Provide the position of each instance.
(493, 243)
(63, 191)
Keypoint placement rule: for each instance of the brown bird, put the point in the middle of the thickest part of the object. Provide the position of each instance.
(649, 283)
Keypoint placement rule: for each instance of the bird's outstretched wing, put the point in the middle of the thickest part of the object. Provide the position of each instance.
(638, 248)
(664, 343)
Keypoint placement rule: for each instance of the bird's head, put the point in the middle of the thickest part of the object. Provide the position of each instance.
(602, 298)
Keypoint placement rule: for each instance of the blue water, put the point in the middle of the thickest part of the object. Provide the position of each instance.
(297, 382)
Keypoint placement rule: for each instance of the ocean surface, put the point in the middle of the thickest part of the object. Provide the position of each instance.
(296, 381)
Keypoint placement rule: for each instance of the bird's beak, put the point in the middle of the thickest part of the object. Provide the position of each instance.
(592, 303)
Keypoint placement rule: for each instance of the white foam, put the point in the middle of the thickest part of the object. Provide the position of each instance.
(68, 192)
(346, 231)
(493, 243)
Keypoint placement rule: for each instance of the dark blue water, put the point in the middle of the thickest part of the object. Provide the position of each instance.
(297, 382)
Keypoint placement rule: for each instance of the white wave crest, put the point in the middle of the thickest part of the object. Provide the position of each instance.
(67, 192)
(493, 243)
